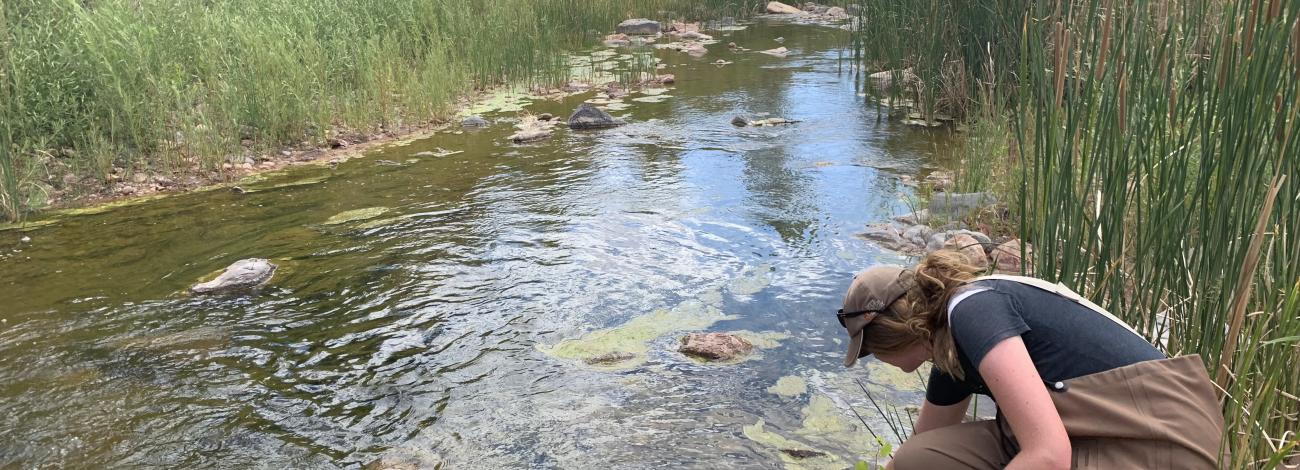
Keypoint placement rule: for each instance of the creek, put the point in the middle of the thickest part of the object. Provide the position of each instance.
(436, 306)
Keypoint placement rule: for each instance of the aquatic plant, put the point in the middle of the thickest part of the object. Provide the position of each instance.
(162, 86)
(1155, 142)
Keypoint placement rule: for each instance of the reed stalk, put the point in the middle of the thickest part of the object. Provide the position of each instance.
(1156, 136)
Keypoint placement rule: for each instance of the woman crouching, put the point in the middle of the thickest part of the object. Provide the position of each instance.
(1075, 386)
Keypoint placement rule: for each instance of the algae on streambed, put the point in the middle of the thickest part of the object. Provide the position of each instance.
(634, 337)
(789, 386)
(823, 422)
(355, 215)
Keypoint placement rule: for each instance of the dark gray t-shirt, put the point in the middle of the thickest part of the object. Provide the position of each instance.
(1065, 340)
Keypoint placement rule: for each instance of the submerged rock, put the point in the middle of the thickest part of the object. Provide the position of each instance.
(694, 36)
(530, 135)
(609, 358)
(771, 122)
(588, 116)
(890, 237)
(474, 121)
(242, 275)
(800, 454)
(355, 215)
(778, 8)
(715, 346)
(740, 121)
(778, 52)
(639, 27)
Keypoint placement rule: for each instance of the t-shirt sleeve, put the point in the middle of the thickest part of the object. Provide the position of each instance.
(983, 320)
(944, 389)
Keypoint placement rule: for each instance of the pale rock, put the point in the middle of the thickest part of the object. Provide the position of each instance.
(778, 52)
(639, 27)
(778, 8)
(242, 275)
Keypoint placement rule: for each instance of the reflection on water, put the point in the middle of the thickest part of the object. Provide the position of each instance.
(419, 307)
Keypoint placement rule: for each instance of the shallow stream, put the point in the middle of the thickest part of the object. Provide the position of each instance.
(436, 306)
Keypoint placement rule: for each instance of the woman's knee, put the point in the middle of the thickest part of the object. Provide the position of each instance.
(964, 446)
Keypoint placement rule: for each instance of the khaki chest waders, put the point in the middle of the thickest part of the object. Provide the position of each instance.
(1156, 415)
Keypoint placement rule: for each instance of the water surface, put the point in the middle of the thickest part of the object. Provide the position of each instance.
(423, 330)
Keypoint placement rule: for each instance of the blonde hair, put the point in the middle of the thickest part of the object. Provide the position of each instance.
(921, 314)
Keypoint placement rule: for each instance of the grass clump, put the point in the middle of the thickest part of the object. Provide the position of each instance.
(162, 86)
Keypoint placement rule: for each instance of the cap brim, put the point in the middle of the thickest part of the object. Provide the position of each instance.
(856, 327)
(855, 349)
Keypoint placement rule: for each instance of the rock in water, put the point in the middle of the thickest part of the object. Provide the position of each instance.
(474, 121)
(609, 358)
(588, 116)
(242, 275)
(639, 27)
(715, 346)
(530, 135)
(778, 8)
(836, 12)
(801, 454)
(778, 52)
(740, 121)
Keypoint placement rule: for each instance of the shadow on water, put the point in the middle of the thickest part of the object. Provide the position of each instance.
(422, 329)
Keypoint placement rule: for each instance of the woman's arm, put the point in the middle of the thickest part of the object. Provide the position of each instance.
(937, 416)
(1024, 400)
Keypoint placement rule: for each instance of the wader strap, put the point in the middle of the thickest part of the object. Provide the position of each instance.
(1061, 290)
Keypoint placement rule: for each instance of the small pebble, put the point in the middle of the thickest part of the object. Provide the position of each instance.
(25, 239)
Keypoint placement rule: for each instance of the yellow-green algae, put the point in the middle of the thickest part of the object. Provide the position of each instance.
(108, 206)
(751, 280)
(713, 297)
(503, 100)
(634, 337)
(823, 422)
(355, 215)
(264, 181)
(27, 225)
(789, 386)
(881, 374)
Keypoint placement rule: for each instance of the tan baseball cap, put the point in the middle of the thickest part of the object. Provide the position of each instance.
(871, 293)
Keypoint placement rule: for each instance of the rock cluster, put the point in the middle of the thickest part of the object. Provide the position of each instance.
(914, 233)
(811, 10)
(532, 129)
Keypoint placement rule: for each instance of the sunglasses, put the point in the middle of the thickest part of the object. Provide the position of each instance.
(841, 315)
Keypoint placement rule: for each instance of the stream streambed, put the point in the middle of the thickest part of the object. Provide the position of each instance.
(436, 300)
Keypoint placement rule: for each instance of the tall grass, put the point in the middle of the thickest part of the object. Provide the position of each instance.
(168, 85)
(1158, 171)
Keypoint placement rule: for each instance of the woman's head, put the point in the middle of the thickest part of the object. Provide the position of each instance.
(914, 324)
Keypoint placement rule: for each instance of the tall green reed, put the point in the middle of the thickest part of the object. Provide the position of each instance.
(165, 85)
(1151, 134)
